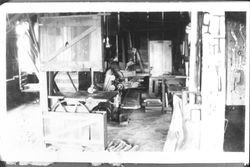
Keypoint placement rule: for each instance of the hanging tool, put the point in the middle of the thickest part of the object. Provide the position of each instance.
(238, 80)
(162, 22)
(240, 52)
(138, 56)
(130, 40)
(219, 33)
(118, 22)
(236, 46)
(235, 38)
(241, 34)
(206, 22)
(108, 45)
(219, 83)
(117, 36)
(233, 58)
(240, 55)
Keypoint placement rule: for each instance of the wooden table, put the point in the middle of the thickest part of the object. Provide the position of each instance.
(155, 80)
(154, 88)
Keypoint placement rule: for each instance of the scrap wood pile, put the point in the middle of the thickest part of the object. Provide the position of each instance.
(118, 145)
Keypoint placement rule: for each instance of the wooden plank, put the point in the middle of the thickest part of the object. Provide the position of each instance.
(74, 116)
(150, 87)
(156, 87)
(72, 82)
(96, 48)
(160, 57)
(184, 133)
(43, 91)
(33, 34)
(193, 53)
(63, 67)
(73, 141)
(213, 87)
(123, 52)
(72, 128)
(72, 42)
(33, 64)
(140, 60)
(164, 96)
(176, 134)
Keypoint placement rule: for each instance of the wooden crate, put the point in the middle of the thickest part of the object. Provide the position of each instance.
(85, 130)
(71, 43)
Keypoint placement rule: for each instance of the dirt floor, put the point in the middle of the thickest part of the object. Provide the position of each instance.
(147, 130)
(24, 127)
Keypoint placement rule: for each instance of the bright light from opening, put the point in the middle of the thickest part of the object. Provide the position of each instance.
(23, 46)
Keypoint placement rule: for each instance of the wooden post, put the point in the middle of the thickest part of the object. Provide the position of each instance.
(247, 88)
(103, 130)
(117, 46)
(123, 52)
(3, 66)
(43, 91)
(213, 87)
(164, 96)
(150, 87)
(193, 52)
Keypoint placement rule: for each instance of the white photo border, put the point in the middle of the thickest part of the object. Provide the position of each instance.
(109, 157)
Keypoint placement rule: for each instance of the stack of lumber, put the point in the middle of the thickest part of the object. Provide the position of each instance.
(118, 145)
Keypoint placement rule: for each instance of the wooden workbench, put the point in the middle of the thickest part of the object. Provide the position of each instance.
(155, 80)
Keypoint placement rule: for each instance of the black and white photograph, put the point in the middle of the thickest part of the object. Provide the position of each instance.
(124, 82)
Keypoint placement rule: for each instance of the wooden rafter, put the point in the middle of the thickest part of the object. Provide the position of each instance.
(72, 42)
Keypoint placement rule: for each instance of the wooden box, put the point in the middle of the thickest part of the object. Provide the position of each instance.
(85, 130)
(71, 43)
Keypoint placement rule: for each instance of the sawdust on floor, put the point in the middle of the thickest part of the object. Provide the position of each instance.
(148, 130)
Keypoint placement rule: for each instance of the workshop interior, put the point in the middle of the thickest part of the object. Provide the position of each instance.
(126, 81)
